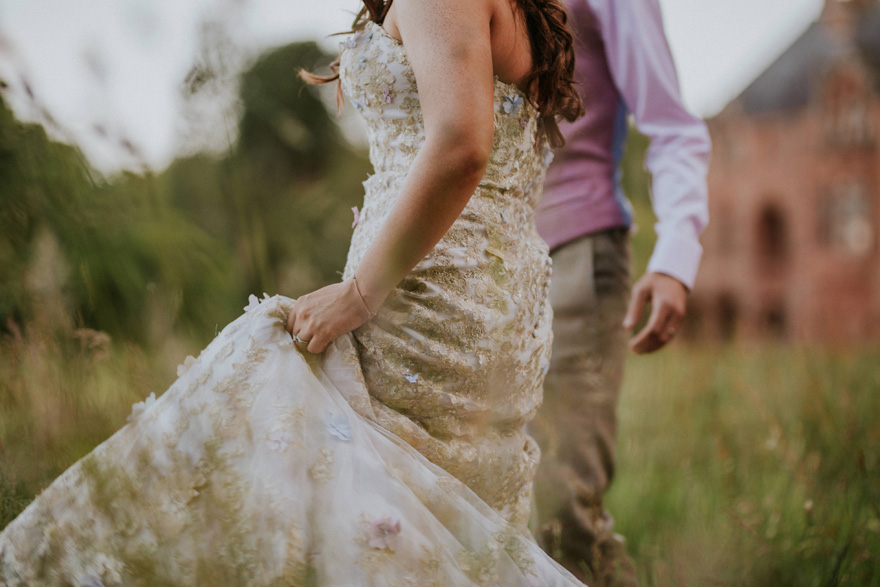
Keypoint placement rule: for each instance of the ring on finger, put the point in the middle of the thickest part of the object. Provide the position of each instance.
(301, 344)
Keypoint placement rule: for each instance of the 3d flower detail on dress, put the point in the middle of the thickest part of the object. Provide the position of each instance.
(511, 104)
(352, 41)
(254, 301)
(187, 363)
(548, 155)
(279, 439)
(357, 216)
(385, 534)
(140, 407)
(338, 426)
(387, 95)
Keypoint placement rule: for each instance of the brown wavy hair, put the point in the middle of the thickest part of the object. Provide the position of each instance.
(549, 85)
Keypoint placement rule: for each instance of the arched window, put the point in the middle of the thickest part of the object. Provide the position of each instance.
(728, 316)
(846, 222)
(772, 235)
(774, 320)
(848, 99)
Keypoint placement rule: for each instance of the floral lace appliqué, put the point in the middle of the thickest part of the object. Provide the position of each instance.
(385, 534)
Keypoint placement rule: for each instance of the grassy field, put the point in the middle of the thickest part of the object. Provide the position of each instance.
(739, 466)
(751, 466)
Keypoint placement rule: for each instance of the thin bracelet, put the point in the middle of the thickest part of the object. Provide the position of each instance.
(357, 288)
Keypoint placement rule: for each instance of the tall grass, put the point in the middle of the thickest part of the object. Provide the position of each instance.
(62, 393)
(751, 466)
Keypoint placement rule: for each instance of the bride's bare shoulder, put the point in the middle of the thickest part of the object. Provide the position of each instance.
(495, 22)
(446, 13)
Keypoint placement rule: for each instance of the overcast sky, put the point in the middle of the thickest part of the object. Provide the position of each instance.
(120, 63)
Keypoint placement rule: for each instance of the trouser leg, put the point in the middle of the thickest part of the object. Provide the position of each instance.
(577, 424)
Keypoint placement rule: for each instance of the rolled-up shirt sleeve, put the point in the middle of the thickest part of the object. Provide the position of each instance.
(643, 70)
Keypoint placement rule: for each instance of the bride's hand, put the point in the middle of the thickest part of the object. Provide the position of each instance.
(324, 315)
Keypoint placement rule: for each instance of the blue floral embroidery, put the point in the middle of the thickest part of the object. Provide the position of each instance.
(411, 377)
(352, 41)
(511, 104)
(338, 426)
(362, 62)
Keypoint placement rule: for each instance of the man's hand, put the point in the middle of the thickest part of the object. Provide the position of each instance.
(668, 299)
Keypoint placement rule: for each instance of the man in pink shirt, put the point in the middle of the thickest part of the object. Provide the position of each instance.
(624, 68)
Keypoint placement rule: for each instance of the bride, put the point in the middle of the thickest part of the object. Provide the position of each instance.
(371, 432)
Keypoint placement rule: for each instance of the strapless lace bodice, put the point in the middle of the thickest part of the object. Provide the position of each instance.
(379, 82)
(456, 356)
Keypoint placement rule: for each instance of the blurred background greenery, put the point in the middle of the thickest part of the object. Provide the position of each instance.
(755, 465)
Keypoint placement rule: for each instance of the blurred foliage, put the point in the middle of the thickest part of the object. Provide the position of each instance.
(142, 256)
(286, 132)
(76, 249)
(281, 199)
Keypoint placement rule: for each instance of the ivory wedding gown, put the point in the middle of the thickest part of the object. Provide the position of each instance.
(397, 457)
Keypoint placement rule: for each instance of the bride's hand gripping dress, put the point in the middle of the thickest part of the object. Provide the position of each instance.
(396, 457)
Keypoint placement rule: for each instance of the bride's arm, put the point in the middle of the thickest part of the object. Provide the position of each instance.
(448, 44)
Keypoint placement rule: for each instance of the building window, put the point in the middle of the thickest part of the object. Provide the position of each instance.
(848, 99)
(725, 228)
(774, 321)
(846, 219)
(772, 236)
(728, 316)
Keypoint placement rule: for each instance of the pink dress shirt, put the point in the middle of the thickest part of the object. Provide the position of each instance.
(624, 66)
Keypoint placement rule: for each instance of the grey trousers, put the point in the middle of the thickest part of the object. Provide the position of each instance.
(577, 423)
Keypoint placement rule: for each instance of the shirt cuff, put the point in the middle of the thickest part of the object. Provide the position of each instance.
(677, 256)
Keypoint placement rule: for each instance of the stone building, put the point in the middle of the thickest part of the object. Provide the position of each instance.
(793, 246)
